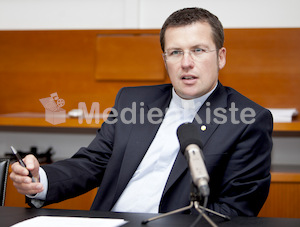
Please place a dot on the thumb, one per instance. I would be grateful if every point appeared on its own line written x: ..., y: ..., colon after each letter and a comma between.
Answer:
x: 32, y: 164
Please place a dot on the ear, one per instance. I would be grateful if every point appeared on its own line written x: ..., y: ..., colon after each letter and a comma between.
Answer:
x: 222, y: 58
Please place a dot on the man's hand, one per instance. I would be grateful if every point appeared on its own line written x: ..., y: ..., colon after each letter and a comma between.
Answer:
x: 22, y: 181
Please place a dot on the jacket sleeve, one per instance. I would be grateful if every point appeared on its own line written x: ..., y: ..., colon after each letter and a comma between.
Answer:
x: 83, y: 171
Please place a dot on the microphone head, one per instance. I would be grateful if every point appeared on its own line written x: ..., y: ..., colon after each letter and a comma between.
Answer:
x: 187, y: 134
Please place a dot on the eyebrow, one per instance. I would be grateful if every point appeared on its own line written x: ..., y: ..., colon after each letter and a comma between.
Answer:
x: 200, y: 45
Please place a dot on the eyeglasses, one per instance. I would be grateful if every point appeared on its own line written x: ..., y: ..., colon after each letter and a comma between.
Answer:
x: 174, y: 56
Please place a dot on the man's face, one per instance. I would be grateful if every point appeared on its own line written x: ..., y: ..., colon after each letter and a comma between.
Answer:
x: 190, y: 77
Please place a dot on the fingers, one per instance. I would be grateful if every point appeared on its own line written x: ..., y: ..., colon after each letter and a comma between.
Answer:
x: 28, y: 188
x: 19, y: 175
x: 32, y: 165
x: 18, y: 169
x: 24, y: 184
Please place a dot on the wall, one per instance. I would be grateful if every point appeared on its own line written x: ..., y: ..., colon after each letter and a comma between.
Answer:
x: 120, y: 14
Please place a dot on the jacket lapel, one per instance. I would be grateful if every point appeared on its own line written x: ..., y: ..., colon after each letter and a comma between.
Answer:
x: 217, y: 99
x: 207, y: 125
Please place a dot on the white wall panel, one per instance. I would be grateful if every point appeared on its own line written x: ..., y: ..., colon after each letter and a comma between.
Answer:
x: 232, y: 13
x: 120, y: 14
x: 62, y: 14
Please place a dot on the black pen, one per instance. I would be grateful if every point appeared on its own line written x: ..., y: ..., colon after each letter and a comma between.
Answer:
x: 14, y: 151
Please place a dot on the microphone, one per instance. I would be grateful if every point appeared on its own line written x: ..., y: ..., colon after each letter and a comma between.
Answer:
x: 191, y: 146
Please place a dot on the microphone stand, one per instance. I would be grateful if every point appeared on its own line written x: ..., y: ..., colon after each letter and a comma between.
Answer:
x: 195, y: 198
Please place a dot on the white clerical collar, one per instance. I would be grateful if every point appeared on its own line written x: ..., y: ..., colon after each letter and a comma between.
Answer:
x: 192, y: 104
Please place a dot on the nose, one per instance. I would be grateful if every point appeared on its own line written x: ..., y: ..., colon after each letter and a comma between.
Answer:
x: 187, y: 61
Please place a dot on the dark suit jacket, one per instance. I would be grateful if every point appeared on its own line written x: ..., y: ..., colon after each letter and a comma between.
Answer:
x: 237, y: 155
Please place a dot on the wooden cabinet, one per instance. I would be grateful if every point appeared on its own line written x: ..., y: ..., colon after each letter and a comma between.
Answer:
x: 262, y: 64
x: 284, y: 196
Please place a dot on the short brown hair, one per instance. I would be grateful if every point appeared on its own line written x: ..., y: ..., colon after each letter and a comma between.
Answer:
x: 188, y: 16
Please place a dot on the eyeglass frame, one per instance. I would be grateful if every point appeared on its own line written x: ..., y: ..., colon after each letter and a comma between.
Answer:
x: 191, y: 53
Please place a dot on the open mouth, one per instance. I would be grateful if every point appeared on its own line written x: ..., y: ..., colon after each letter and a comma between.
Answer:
x: 188, y: 77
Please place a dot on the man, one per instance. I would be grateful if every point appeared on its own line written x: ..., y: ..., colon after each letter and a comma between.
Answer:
x: 137, y: 166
